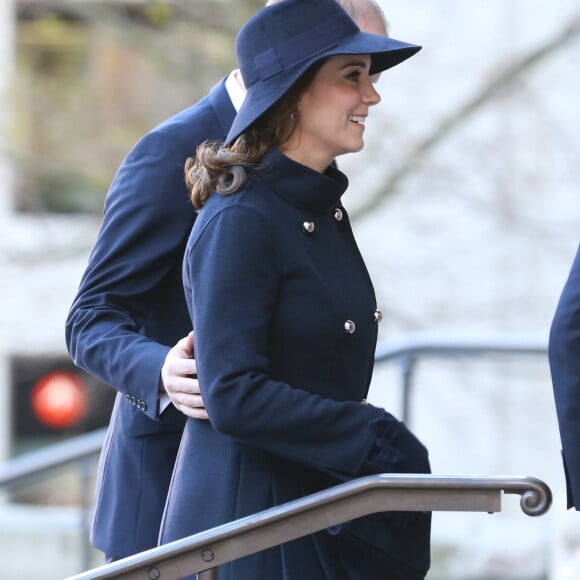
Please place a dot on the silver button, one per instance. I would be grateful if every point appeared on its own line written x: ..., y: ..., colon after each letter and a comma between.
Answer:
x: 349, y: 327
x: 308, y: 227
x: 338, y: 214
x: 378, y: 315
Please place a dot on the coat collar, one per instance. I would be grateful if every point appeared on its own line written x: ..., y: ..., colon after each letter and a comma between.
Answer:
x: 299, y: 185
x: 222, y: 105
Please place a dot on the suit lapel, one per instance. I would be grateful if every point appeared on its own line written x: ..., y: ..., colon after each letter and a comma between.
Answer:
x: 222, y: 105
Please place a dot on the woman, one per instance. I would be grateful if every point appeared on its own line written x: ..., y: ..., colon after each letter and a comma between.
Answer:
x: 283, y: 307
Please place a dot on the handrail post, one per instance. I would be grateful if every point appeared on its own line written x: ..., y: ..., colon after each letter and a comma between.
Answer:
x: 208, y: 574
x: 86, y: 476
x: 407, y: 368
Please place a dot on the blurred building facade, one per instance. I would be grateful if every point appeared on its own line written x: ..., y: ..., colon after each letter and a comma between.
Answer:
x: 465, y: 202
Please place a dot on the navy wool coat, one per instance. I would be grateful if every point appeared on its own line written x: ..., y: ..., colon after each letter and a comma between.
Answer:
x: 286, y: 326
x: 564, y: 353
x: 130, y: 308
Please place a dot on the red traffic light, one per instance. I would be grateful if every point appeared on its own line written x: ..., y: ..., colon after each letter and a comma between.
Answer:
x: 59, y: 399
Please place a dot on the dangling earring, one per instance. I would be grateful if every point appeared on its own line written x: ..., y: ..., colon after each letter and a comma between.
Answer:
x: 294, y: 116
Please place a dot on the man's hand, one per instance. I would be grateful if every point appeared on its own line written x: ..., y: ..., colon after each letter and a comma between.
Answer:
x: 179, y: 379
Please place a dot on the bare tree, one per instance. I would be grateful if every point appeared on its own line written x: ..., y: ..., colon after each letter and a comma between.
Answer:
x: 486, y: 93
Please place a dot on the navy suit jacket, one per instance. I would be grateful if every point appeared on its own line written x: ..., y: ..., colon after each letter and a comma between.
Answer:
x: 564, y: 353
x: 130, y: 309
x: 286, y: 323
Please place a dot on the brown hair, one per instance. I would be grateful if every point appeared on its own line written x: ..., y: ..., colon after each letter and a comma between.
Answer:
x: 224, y: 169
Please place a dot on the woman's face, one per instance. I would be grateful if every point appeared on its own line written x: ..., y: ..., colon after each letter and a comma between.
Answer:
x: 332, y: 112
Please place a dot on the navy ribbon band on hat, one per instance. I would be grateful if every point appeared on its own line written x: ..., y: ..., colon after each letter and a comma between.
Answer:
x: 299, y: 48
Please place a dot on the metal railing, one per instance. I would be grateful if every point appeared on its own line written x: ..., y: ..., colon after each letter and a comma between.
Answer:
x: 82, y: 452
x: 413, y: 347
x: 201, y: 553
x: 81, y: 449
x: 84, y: 449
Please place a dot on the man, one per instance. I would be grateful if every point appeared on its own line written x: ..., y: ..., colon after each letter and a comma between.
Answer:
x: 564, y: 354
x: 130, y: 306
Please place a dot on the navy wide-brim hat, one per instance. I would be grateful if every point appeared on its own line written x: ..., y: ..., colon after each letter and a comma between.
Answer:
x: 280, y: 42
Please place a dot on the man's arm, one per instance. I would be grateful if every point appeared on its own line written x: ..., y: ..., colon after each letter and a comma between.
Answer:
x: 130, y: 303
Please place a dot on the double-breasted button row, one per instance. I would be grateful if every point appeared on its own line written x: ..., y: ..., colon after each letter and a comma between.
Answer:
x: 309, y: 227
x: 350, y: 326
x: 136, y: 402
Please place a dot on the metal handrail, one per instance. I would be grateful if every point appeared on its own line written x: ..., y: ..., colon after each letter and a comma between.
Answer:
x: 29, y: 466
x: 81, y: 451
x: 431, y: 344
x: 201, y: 553
x: 421, y: 345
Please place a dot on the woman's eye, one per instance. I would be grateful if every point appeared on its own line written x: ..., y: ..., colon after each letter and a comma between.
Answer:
x: 354, y: 75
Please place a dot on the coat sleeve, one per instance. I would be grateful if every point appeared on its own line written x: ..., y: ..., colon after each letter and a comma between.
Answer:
x: 141, y: 239
x: 232, y: 272
x: 564, y: 356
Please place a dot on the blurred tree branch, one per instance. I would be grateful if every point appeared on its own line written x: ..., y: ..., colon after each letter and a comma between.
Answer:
x: 103, y: 56
x: 494, y: 87
x: 220, y: 16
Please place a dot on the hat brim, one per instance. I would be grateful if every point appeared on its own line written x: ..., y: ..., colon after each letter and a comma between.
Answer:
x: 385, y: 53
